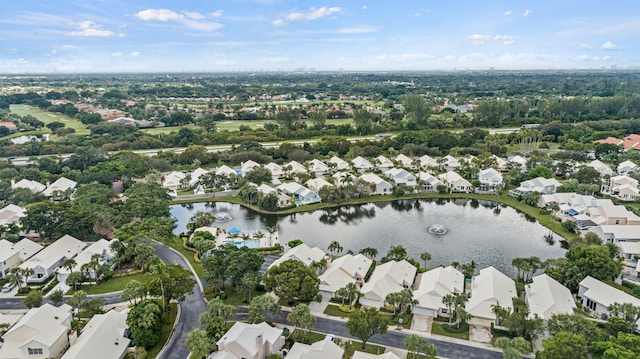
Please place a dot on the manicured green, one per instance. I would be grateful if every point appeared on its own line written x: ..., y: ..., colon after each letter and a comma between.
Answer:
x: 26, y: 133
x: 352, y: 345
x: 48, y: 117
x: 438, y: 329
x: 112, y: 285
x: 176, y: 243
x: 167, y: 327
x: 335, y: 311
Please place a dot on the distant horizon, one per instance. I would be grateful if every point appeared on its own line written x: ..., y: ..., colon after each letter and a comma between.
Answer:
x: 162, y: 36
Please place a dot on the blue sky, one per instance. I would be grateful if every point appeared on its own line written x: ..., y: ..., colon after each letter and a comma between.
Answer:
x: 239, y: 35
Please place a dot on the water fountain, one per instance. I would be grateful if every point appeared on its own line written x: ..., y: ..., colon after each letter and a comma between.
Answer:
x: 437, y: 229
x: 222, y: 217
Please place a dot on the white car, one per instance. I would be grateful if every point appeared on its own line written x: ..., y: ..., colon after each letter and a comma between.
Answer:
x: 7, y: 287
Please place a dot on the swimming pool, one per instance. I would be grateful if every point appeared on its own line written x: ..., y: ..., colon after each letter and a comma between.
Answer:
x: 251, y: 243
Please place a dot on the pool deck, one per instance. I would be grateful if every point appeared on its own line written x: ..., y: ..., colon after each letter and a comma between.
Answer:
x: 222, y: 238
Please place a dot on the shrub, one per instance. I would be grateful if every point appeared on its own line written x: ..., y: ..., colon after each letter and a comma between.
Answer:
x: 346, y: 308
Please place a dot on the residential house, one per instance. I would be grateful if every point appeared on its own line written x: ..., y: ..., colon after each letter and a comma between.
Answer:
x: 12, y: 254
x: 598, y: 296
x: 490, y: 288
x: 427, y: 162
x: 601, y: 167
x: 248, y: 166
x: 318, y: 167
x: 382, y: 163
x: 406, y: 161
x: 47, y: 261
x: 624, y: 187
x: 618, y: 233
x: 501, y: 164
x: 361, y: 164
x: 342, y: 271
x: 546, y: 297
x: 518, y: 161
x: 339, y: 164
x: 539, y: 184
x: 342, y: 178
x: 226, y: 171
x: 363, y: 355
x: 101, y: 248
x: 630, y: 253
x: 174, y: 181
x: 401, y: 176
x: 490, y: 179
x: 33, y: 186
x: 295, y: 167
x: 103, y: 337
x: 569, y: 204
x: 449, y: 162
x: 11, y: 214
x: 455, y: 182
x: 435, y: 285
x: 60, y: 186
x: 608, y: 213
x: 632, y: 142
x: 9, y: 125
x: 429, y: 182
x: 249, y: 341
x: 302, y: 194
x: 387, y: 278
x: 627, y: 167
x: 194, y: 182
x: 40, y: 334
x: 276, y: 169
x: 315, y: 184
x: 302, y: 253
x: 283, y: 199
x: 323, y: 349
x: 381, y: 186
x: 27, y: 248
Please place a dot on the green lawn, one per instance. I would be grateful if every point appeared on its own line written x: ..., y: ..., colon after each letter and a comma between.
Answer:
x: 335, y: 311
x: 25, y: 133
x: 48, y: 117
x: 167, y: 326
x: 176, y: 243
x: 112, y: 285
x: 437, y: 328
x: 233, y: 125
x: 352, y: 345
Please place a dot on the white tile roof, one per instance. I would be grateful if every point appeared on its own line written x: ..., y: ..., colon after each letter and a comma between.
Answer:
x: 437, y: 283
x: 372, y: 178
x: 102, y: 338
x: 101, y: 247
x: 546, y: 297
x: 340, y: 163
x: 488, y: 288
x: 11, y: 214
x: 66, y: 246
x: 389, y: 277
x: 302, y: 253
x: 605, y: 294
x: 324, y: 349
x: 33, y: 186
x: 343, y: 271
x: 244, y: 335
x: 61, y: 184
x: 363, y: 355
x: 27, y: 248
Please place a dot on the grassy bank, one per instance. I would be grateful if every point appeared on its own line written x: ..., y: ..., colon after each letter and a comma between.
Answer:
x: 48, y: 117
x: 167, y: 327
x: 112, y: 285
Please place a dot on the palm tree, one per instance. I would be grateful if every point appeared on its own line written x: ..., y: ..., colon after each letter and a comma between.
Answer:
x: 449, y: 301
x: 271, y: 231
x: 369, y: 252
x: 69, y: 264
x: 352, y: 290
x: 425, y: 256
x: 245, y: 237
x: 335, y: 247
x: 513, y: 348
x: 26, y: 273
x: 159, y: 275
x: 397, y: 253
x: 259, y: 235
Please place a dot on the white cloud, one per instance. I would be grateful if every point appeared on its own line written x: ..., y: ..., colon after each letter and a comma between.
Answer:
x: 526, y: 13
x: 190, y: 19
x: 609, y: 46
x: 407, y: 57
x: 479, y: 39
x: 585, y: 47
x: 117, y: 54
x: 357, y: 30
x: 216, y: 13
x: 278, y: 22
x: 606, y: 57
x: 587, y: 58
x: 364, y: 7
x: 508, y: 12
x: 276, y: 60
x: 158, y: 15
x: 313, y: 14
x: 88, y: 28
x: 135, y: 54
x: 194, y: 15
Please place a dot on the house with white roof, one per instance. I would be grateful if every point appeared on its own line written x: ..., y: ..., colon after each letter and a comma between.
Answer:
x: 47, y: 261
x: 546, y: 297
x: 618, y: 233
x: 103, y: 337
x: 302, y: 194
x: 41, y: 333
x: 597, y: 296
x: 174, y: 181
x: 60, y: 186
x: 623, y: 187
x: 33, y: 186
x: 342, y: 271
x: 283, y: 199
x: 318, y: 167
x: 630, y: 253
x: 363, y: 355
x: 101, y: 249
x: 27, y: 248
x: 500, y: 163
x: 429, y: 182
x: 427, y: 162
x: 323, y: 349
x: 9, y: 257
x: 226, y: 171
x: 387, y: 278
x: 295, y: 167
x: 607, y: 213
x: 315, y: 184
x: 342, y: 178
x: 381, y: 186
x: 455, y: 182
x: 450, y: 163
x: 627, y: 167
x: 382, y: 163
x: 601, y: 167
x: 276, y: 169
x: 361, y: 164
x: 401, y: 176
x: 539, y: 184
x: 11, y: 214
x: 490, y: 287
x: 249, y: 341
x: 247, y: 166
x: 302, y: 253
x: 490, y: 179
x: 340, y: 164
x: 195, y: 177
x: 435, y: 285
x: 518, y: 161
x: 405, y: 161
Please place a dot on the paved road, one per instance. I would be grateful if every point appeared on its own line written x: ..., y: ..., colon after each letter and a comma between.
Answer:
x: 13, y: 303
x: 190, y: 310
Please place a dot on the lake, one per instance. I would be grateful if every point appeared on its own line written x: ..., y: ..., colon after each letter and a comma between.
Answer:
x: 486, y: 232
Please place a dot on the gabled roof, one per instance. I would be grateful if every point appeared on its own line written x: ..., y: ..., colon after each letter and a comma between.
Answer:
x: 225, y: 170
x: 244, y: 335
x: 317, y: 183
x: 102, y: 337
x: 605, y: 294
x: 340, y: 163
x: 361, y: 163
x: 27, y: 248
x: 452, y: 177
x: 437, y: 283
x: 546, y: 297
x: 601, y: 167
x: 266, y: 189
x: 302, y: 253
x: 101, y: 247
x: 273, y: 167
x: 6, y: 250
x: 398, y: 173
x: 324, y: 349
x: 373, y: 178
x: 64, y: 247
x: 384, y: 162
x: 342, y: 271
x: 33, y: 186
x: 406, y: 161
x: 430, y: 179
x: 628, y: 166
x: 11, y: 214
x: 248, y: 165
x: 490, y: 175
x: 61, y: 184
x: 173, y: 179
x: 315, y: 165
x: 428, y: 161
x: 389, y: 277
x: 488, y: 288
x: 296, y: 167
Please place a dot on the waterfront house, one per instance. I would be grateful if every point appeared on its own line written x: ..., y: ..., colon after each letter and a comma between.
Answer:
x: 302, y: 253
x: 381, y: 186
x: 597, y: 296
x: 401, y: 176
x: 455, y: 182
x: 387, y: 278
x: 435, y: 285
x: 342, y: 271
x: 546, y: 297
x: 429, y: 182
x: 490, y: 287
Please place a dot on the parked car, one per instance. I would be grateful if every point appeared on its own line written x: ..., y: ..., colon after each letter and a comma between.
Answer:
x: 7, y: 287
